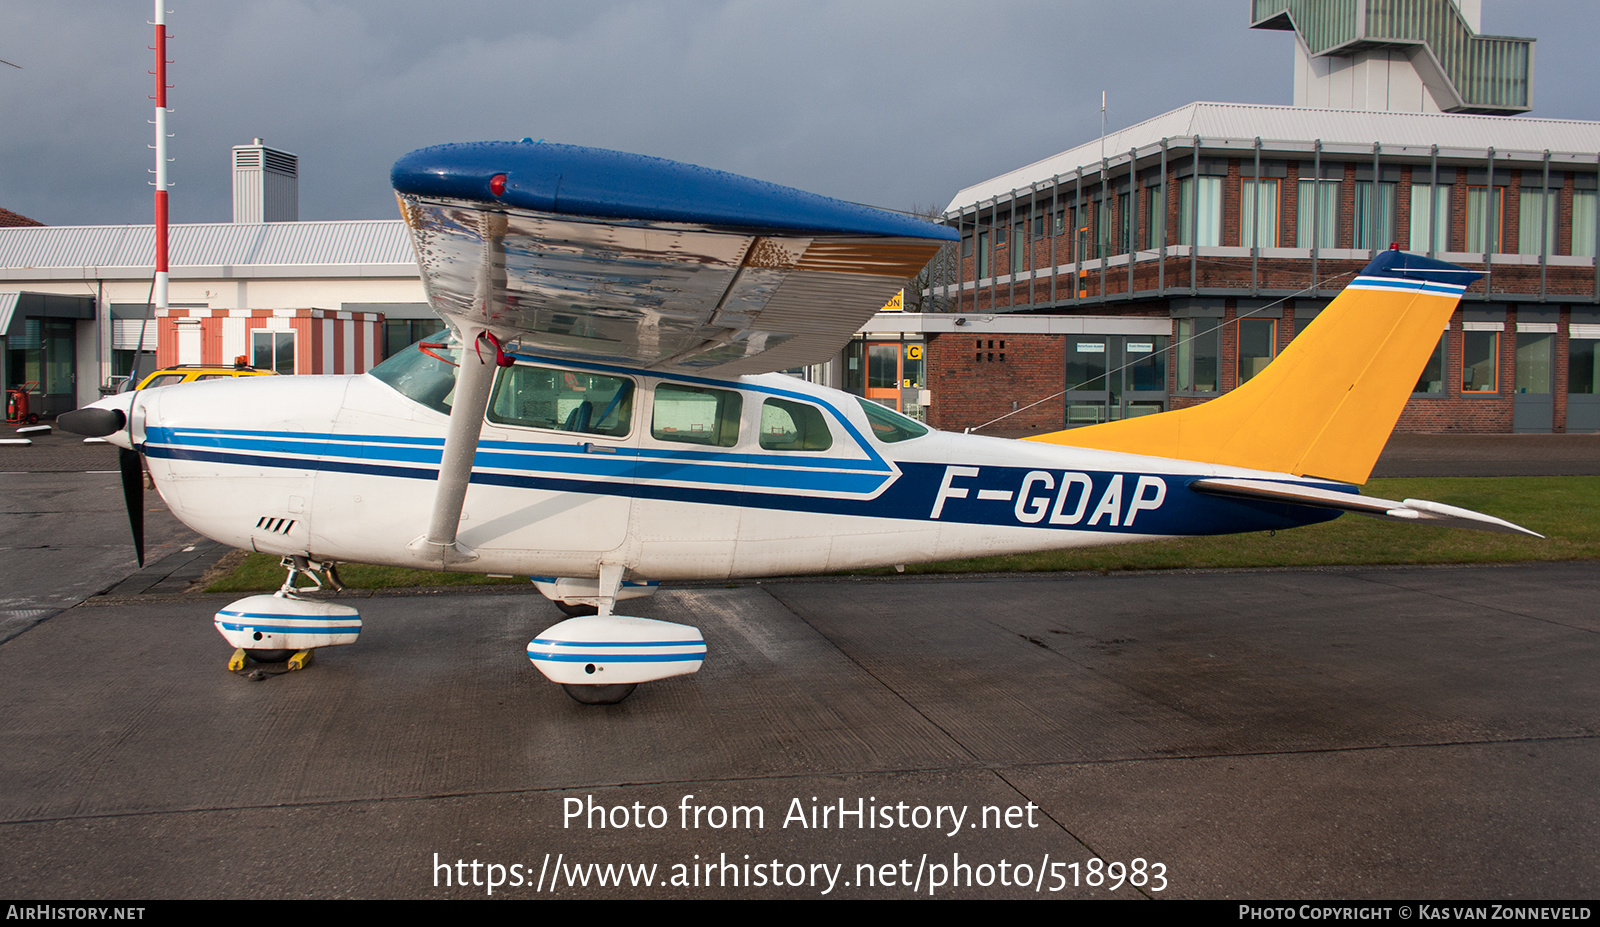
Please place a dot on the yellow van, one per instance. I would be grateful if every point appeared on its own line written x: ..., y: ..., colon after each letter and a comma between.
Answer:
x: 189, y: 373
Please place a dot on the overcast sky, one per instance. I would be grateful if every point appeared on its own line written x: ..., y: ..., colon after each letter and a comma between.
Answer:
x: 896, y: 103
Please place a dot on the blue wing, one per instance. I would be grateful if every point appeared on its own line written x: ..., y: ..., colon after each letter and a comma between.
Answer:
x: 599, y: 255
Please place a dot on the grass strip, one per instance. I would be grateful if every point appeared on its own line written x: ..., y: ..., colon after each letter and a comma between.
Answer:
x: 1566, y: 509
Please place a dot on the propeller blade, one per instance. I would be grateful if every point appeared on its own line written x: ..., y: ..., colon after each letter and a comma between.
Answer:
x: 132, y: 467
x: 92, y: 423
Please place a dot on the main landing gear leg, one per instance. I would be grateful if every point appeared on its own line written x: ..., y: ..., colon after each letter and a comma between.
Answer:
x: 602, y: 693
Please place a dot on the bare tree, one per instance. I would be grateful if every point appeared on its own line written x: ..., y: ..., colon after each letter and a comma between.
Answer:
x: 921, y: 295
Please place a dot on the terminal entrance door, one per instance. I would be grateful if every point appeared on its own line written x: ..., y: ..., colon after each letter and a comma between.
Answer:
x: 894, y: 375
x: 1532, y: 406
x: 42, y: 358
x: 1113, y: 377
x: 1583, y: 379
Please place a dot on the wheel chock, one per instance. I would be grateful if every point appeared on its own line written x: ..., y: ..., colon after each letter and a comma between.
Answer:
x: 300, y: 660
x: 238, y: 661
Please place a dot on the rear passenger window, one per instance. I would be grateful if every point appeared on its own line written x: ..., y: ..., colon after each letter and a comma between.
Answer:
x: 692, y: 415
x: 793, y: 426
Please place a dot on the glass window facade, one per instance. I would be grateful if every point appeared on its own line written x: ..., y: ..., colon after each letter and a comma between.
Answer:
x: 1317, y: 214
x: 1430, y: 218
x: 1127, y: 222
x: 1583, y: 375
x: 1258, y: 213
x: 1375, y: 216
x: 1200, y: 211
x: 399, y: 334
x: 1155, y: 221
x: 1199, y: 351
x: 1258, y: 345
x: 1480, y: 368
x: 1483, y: 219
x: 1536, y: 221
x: 1583, y: 222
x: 1431, y: 382
x: 272, y: 351
x: 883, y: 370
x: 1535, y: 351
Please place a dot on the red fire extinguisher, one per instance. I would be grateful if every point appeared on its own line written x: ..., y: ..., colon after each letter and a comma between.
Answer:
x: 17, y: 406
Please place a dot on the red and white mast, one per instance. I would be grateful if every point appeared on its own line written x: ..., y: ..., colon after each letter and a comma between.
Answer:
x: 160, y: 289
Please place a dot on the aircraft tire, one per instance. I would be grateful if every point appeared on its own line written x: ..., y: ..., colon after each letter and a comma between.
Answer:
x: 600, y: 695
x: 269, y: 656
x: 572, y: 610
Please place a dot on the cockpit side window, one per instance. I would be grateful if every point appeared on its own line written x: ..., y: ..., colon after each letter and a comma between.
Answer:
x: 424, y: 372
x: 793, y: 426
x: 563, y: 400
x: 695, y: 415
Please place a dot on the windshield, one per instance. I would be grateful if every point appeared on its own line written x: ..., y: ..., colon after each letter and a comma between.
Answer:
x: 424, y: 372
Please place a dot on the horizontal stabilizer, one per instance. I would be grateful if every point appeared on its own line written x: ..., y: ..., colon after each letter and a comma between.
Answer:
x: 1413, y: 510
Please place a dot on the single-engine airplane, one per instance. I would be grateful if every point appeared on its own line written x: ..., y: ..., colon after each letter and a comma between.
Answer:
x: 606, y: 414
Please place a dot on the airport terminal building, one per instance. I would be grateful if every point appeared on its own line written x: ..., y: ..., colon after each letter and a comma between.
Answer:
x: 1219, y: 230
x: 298, y: 297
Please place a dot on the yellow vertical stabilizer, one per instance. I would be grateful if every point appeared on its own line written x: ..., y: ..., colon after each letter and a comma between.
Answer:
x: 1326, y: 405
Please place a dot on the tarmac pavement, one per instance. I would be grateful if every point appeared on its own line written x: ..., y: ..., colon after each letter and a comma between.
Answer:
x: 1490, y: 455
x: 1336, y: 733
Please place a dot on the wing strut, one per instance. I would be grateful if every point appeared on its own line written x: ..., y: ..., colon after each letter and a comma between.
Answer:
x: 455, y: 466
x: 473, y: 383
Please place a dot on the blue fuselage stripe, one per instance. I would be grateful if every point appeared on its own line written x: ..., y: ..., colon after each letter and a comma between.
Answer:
x: 796, y: 473
x: 288, y: 629
x: 541, y: 642
x: 616, y: 657
x: 1100, y: 502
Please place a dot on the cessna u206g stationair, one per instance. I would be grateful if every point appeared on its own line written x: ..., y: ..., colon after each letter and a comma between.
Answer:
x: 605, y: 415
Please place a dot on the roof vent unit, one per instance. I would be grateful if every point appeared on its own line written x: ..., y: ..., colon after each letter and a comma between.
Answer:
x: 266, y: 184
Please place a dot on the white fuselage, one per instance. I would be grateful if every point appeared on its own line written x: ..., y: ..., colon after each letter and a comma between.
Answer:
x: 345, y: 469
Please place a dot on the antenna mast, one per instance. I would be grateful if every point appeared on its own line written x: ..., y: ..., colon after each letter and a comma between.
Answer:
x: 1103, y: 119
x: 160, y: 289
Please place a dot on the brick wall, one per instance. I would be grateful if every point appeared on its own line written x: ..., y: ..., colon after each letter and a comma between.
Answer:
x: 976, y: 378
x: 1453, y: 411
